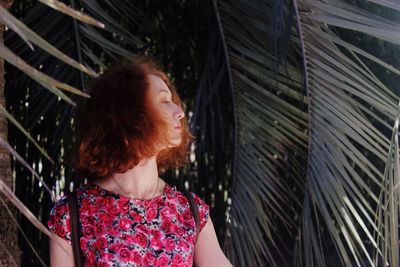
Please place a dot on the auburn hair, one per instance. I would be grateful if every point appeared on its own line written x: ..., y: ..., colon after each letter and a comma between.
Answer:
x: 116, y: 127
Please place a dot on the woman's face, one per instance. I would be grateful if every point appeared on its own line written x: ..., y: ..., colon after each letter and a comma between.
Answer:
x: 161, y: 98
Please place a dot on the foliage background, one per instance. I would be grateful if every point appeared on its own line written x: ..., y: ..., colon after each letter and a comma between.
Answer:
x: 263, y: 110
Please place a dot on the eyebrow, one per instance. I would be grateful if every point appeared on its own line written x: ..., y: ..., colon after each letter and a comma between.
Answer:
x: 164, y: 91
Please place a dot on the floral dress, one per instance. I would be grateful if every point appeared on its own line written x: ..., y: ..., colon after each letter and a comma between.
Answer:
x: 121, y: 231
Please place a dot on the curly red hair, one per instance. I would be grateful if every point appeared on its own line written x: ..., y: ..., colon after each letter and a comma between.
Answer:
x: 116, y: 128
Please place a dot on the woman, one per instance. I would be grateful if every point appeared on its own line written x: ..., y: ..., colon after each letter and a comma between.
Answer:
x: 132, y: 128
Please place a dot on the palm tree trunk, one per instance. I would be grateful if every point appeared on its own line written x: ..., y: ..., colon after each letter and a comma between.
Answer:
x: 10, y: 254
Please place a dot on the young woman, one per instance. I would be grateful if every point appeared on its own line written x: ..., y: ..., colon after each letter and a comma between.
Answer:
x: 132, y: 128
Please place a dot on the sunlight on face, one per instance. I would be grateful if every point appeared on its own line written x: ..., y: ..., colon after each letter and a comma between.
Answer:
x: 161, y: 98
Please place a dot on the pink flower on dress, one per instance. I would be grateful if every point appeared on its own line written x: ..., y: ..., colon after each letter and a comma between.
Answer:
x: 101, y: 243
x: 116, y: 246
x: 83, y: 243
x: 125, y: 255
x: 123, y: 205
x: 100, y: 228
x: 166, y: 226
x: 183, y: 246
x: 141, y: 228
x: 140, y: 239
x: 112, y: 210
x: 60, y: 230
x: 106, y: 256
x: 182, y: 200
x: 105, y: 218
x: 187, y: 218
x: 157, y: 234
x: 169, y: 244
x: 151, y: 214
x: 85, y: 202
x: 156, y: 244
x: 162, y: 260
x: 137, y: 258
x: 136, y: 217
x: 177, y: 230
x: 88, y: 231
x: 125, y: 223
x: 177, y: 259
x: 90, y: 258
x: 101, y: 201
x: 148, y: 259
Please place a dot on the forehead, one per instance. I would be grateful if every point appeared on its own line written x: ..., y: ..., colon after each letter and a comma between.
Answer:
x: 157, y: 85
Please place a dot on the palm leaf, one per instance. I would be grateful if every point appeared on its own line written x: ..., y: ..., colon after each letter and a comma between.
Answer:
x: 309, y: 160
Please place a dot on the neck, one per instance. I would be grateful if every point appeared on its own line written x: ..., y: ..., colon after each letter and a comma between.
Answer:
x: 139, y: 182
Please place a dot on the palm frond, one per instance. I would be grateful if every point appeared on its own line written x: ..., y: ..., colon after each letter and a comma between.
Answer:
x: 63, y: 8
x: 311, y: 141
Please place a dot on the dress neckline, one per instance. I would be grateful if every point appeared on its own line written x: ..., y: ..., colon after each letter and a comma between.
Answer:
x: 167, y: 188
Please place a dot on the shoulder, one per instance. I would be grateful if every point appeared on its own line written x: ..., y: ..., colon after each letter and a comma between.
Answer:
x: 59, y: 218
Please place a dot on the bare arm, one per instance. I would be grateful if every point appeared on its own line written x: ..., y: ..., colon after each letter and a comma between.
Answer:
x: 207, y: 251
x: 60, y: 252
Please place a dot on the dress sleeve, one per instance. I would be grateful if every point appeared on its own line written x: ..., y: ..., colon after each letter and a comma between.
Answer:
x: 58, y: 222
x: 204, y: 210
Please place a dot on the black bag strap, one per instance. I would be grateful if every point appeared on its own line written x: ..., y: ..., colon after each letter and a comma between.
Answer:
x: 74, y: 225
x: 194, y: 210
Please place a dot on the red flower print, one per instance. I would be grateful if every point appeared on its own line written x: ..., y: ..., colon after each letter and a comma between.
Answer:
x: 117, y: 246
x: 183, y: 246
x: 60, y: 230
x: 115, y: 231
x: 141, y: 239
x: 148, y: 259
x: 186, y: 218
x: 137, y: 258
x: 123, y: 205
x: 177, y: 259
x: 87, y: 220
x: 112, y: 210
x: 100, y: 228
x: 90, y: 257
x: 88, y: 231
x: 105, y: 218
x: 151, y: 214
x: 156, y: 244
x: 169, y: 244
x: 125, y: 255
x: 104, y: 263
x: 101, y: 243
x: 85, y: 202
x: 83, y: 243
x: 141, y: 228
x: 136, y: 217
x: 177, y: 230
x: 92, y: 191
x: 129, y: 239
x: 68, y: 224
x: 125, y: 223
x: 101, y: 201
x: 172, y: 207
x: 162, y: 260
x: 157, y: 234
x: 182, y: 200
x: 166, y: 226
x: 106, y: 255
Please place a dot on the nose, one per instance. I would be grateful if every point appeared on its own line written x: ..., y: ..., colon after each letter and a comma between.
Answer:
x: 179, y: 114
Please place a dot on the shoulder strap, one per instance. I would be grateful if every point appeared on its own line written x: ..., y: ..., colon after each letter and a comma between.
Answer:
x: 75, y: 232
x: 194, y: 210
